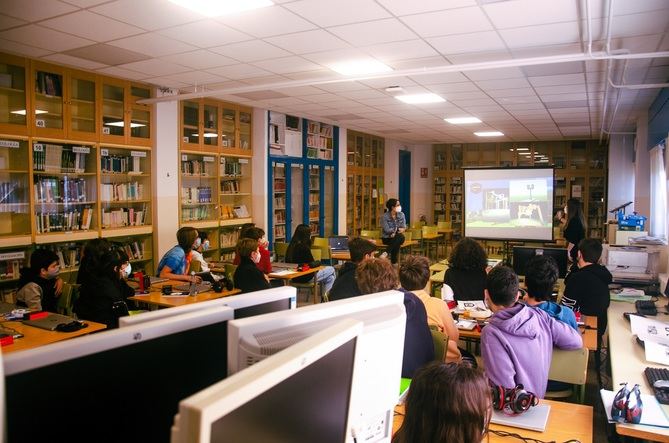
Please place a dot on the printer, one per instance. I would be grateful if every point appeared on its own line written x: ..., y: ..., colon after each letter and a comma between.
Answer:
x: 632, y: 263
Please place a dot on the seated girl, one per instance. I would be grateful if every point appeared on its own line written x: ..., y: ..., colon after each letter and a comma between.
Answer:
x: 299, y: 251
x: 175, y: 263
x: 248, y: 277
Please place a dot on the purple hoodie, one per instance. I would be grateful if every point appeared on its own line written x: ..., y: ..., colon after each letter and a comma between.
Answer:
x: 517, y: 346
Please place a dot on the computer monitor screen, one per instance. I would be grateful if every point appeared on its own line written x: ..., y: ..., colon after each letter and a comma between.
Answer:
x: 300, y: 394
x: 120, y: 385
x: 522, y: 254
x: 244, y: 305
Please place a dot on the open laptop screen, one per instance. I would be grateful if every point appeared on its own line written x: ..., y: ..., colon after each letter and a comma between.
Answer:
x: 338, y: 243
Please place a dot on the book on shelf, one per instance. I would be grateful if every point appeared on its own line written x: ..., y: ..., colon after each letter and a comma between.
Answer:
x: 197, y: 167
x: 194, y: 195
x: 122, y: 217
x: 72, y: 220
x: 60, y: 190
x: 10, y: 264
x: 229, y: 238
x: 241, y: 211
x: 196, y: 213
x: 230, y: 186
x: 134, y: 249
x: 121, y: 164
x: 279, y: 232
x: 230, y: 167
x: 48, y: 84
x: 69, y: 254
x: 49, y: 157
x: 121, y: 191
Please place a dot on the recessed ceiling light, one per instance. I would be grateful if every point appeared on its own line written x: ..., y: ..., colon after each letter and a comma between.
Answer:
x: 215, y: 8
x: 360, y: 67
x: 394, y: 89
x: 522, y: 149
x: 462, y: 120
x: 489, y: 134
x: 206, y: 135
x: 414, y: 99
x: 23, y: 112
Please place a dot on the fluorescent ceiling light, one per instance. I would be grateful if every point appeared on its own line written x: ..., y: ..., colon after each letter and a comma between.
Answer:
x: 489, y: 134
x: 23, y: 112
x: 415, y: 99
x: 360, y: 67
x: 215, y: 8
x: 462, y: 120
x: 121, y: 124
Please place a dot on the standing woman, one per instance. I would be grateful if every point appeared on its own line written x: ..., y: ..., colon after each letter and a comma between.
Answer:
x: 393, y: 224
x: 299, y: 251
x: 574, y: 230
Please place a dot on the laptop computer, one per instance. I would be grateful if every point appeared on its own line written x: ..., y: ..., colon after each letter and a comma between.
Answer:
x: 339, y: 243
x: 202, y: 287
x: 50, y: 322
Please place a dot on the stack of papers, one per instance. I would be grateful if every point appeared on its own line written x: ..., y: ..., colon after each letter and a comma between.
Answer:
x: 655, y: 335
x: 284, y: 272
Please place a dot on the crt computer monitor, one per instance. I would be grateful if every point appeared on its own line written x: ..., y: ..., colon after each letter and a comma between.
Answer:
x: 381, y: 346
x: 120, y: 385
x: 244, y: 305
x: 300, y: 394
x: 522, y: 254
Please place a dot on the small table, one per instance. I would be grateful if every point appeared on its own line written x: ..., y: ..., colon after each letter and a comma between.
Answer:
x: 566, y: 421
x: 170, y: 301
x: 341, y: 255
x: 34, y: 337
x: 288, y: 276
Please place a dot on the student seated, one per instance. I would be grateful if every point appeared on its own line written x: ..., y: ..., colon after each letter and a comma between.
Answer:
x: 91, y: 254
x: 299, y: 251
x: 201, y: 245
x: 466, y: 271
x: 517, y: 344
x: 587, y: 289
x: 414, y: 275
x: 446, y: 402
x: 265, y: 264
x: 39, y: 285
x: 103, y: 296
x: 377, y: 275
x: 175, y: 263
x: 541, y: 274
x: 393, y: 224
x: 248, y: 277
x: 345, y: 286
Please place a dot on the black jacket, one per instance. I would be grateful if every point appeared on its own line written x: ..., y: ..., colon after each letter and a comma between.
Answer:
x: 466, y: 284
x: 345, y: 285
x: 574, y: 232
x: 248, y: 277
x: 587, y: 290
x: 300, y: 254
x: 418, y: 345
x: 97, y: 298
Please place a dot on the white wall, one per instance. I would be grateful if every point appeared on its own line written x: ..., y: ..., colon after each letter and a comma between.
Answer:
x: 341, y: 185
x: 642, y: 168
x: 165, y: 173
x: 259, y: 169
x: 621, y: 172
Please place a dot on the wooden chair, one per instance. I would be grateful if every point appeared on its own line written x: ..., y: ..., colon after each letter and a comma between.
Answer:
x: 440, y: 342
x: 370, y: 234
x: 68, y: 297
x: 324, y: 245
x: 569, y: 367
x: 448, y: 237
x: 431, y: 236
x: 312, y: 285
x: 230, y: 272
x: 195, y: 266
x: 280, y: 249
x: 416, y: 235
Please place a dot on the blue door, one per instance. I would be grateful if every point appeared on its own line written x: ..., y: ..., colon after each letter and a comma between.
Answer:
x: 404, y: 180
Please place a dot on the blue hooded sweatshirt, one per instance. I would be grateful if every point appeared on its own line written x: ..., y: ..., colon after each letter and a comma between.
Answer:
x: 558, y: 312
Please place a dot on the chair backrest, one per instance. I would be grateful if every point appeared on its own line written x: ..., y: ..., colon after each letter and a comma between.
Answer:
x: 569, y: 366
x: 320, y: 242
x: 326, y: 252
x: 367, y: 233
x: 444, y: 225
x: 316, y: 253
x: 416, y: 234
x: 429, y: 230
x: 440, y: 342
x: 230, y: 271
x: 67, y: 299
x: 416, y: 225
x: 280, y: 249
x: 408, y: 235
x: 195, y: 266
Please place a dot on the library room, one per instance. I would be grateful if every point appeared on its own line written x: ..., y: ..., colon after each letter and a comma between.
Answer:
x: 369, y: 220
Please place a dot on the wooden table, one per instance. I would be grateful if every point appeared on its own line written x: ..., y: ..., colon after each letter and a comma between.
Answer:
x: 156, y: 298
x: 346, y: 255
x: 34, y: 337
x: 628, y: 361
x: 566, y: 421
x: 341, y: 255
x: 435, y: 237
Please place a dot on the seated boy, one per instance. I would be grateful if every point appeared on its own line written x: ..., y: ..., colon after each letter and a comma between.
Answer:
x: 517, y: 344
x: 345, y: 286
x: 587, y: 289
x: 541, y: 273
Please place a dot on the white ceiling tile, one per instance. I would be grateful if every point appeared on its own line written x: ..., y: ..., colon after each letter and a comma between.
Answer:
x: 518, y: 100
x: 495, y: 74
x: 309, y: 41
x: 343, y: 86
x: 363, y: 95
x: 453, y: 87
x: 265, y: 80
x: 519, y: 13
x: 77, y: 62
x: 434, y: 79
x: 239, y: 72
x: 385, y: 82
x: 10, y: 22
x: 404, y: 7
x: 375, y: 32
x: 542, y: 35
x: 34, y: 10
x: 152, y: 44
x: 408, y: 49
x: 155, y: 67
x: 329, y: 57
x: 41, y: 37
x: 147, y: 14
x: 454, y: 21
x: 19, y: 48
x: 565, y: 89
x: 470, y: 95
x: 506, y: 83
x: 266, y: 22
x: 469, y: 104
x: 326, y: 13
x: 129, y: 74
x: 516, y: 92
x: 323, y: 74
x: 556, y: 80
x: 424, y: 62
x: 85, y: 3
x: 166, y: 82
x: 251, y: 51
x: 200, y: 59
x: 195, y: 78
x: 639, y: 24
x: 205, y: 34
x: 91, y: 26
x: 464, y: 43
x: 286, y: 65
x: 554, y: 69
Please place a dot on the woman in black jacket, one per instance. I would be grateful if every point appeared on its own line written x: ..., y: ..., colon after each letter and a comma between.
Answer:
x: 104, y: 292
x: 248, y: 277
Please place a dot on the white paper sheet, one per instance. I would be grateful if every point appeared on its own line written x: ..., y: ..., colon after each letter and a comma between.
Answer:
x: 650, y: 330
x: 657, y: 352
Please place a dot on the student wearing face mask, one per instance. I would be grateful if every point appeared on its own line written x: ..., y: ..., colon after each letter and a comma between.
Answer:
x: 201, y: 245
x: 393, y: 224
x: 248, y: 277
x: 38, y: 282
x: 104, y: 298
x: 175, y: 263
x: 265, y: 265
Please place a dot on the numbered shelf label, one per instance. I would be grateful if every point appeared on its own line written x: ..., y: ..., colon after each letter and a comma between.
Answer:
x: 9, y: 144
x: 137, y: 153
x: 38, y: 147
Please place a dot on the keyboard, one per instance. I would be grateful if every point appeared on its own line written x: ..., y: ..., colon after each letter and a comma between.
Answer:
x: 654, y: 374
x: 645, y: 307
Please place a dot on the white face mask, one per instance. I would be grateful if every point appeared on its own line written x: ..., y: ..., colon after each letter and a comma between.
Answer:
x: 205, y: 245
x: 125, y: 273
x: 255, y: 257
x: 198, y: 243
x: 53, y: 273
x: 398, y: 209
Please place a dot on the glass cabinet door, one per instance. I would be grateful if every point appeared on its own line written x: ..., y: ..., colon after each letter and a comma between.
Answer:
x: 296, y: 197
x: 350, y: 200
x: 49, y: 100
x: 190, y: 123
x: 228, y: 125
x: 13, y: 109
x: 244, y: 130
x: 314, y: 199
x: 113, y: 111
x: 279, y: 201
x: 82, y: 106
x: 210, y: 132
x: 14, y: 188
x: 140, y: 115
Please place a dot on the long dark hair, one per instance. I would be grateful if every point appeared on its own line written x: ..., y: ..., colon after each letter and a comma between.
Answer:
x: 447, y: 402
x: 110, y: 264
x: 467, y: 255
x: 301, y: 237
x: 575, y: 210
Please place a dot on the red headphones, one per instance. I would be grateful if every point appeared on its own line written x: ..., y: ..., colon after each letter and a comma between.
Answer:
x: 512, y: 401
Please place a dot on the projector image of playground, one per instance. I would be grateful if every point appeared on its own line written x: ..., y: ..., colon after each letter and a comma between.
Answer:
x: 513, y: 204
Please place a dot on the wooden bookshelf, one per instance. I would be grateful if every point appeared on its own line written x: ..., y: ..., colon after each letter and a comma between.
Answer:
x: 365, y: 197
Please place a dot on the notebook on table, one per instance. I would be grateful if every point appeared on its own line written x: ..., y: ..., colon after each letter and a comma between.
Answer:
x: 338, y: 244
x: 50, y: 322
x: 534, y: 418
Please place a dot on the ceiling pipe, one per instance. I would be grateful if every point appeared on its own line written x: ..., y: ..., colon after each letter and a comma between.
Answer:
x: 607, y: 46
x: 640, y: 86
